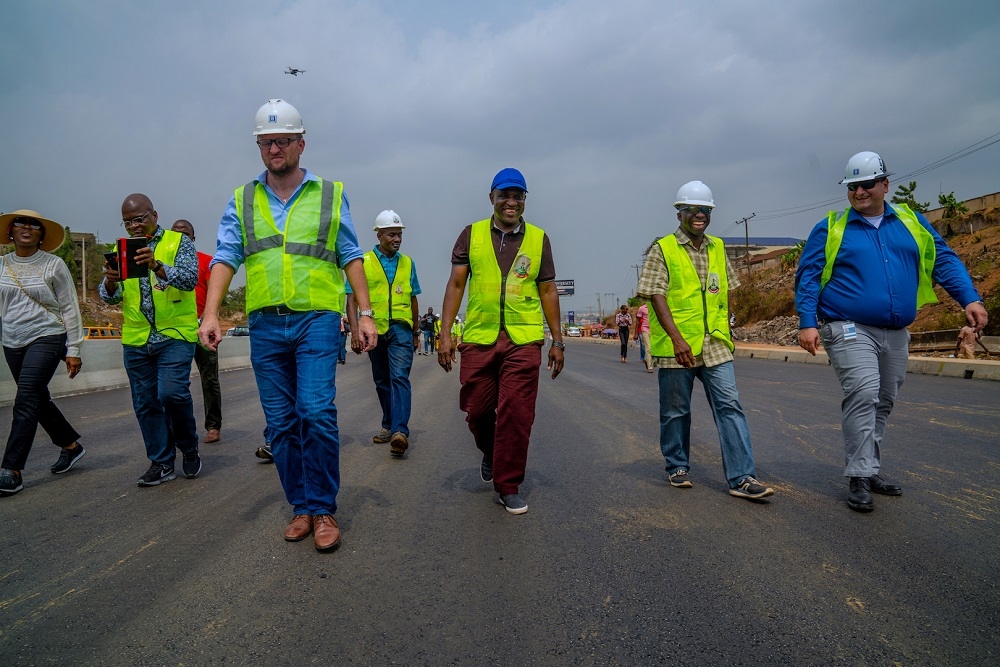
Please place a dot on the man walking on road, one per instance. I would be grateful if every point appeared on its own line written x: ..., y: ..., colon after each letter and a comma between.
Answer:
x: 427, y: 328
x: 293, y: 231
x: 687, y: 277
x: 158, y: 339
x: 206, y: 360
x: 508, y: 265
x: 393, y: 289
x: 642, y: 335
x: 863, y: 274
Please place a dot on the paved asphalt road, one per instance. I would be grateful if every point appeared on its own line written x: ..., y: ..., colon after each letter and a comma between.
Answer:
x: 611, y: 566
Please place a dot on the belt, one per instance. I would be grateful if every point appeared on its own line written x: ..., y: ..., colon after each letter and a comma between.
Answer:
x: 280, y: 309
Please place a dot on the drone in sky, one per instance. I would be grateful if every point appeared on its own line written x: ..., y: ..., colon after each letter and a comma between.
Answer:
x: 294, y: 71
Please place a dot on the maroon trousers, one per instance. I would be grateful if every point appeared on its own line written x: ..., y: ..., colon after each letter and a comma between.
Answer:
x: 499, y: 388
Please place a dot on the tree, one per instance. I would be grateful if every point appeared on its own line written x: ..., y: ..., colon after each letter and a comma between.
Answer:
x: 904, y: 195
x: 67, y: 252
x: 952, y: 207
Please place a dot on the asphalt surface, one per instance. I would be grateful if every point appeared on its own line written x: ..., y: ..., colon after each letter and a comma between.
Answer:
x: 610, y: 566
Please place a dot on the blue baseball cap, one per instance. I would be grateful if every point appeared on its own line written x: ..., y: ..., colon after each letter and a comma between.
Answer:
x: 508, y: 178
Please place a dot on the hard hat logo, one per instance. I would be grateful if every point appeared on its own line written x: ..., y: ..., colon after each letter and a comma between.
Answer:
x: 273, y: 118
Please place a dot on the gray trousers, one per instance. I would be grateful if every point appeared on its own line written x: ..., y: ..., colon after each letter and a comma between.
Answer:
x: 870, y: 366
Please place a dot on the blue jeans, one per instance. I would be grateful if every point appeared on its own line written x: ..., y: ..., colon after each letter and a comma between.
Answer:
x: 159, y: 375
x: 719, y: 381
x: 391, y: 361
x: 428, y: 341
x: 294, y: 359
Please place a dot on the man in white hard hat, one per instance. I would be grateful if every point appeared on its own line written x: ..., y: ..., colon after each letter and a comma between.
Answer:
x: 504, y: 332
x: 393, y: 288
x: 863, y: 274
x: 687, y: 277
x: 293, y: 231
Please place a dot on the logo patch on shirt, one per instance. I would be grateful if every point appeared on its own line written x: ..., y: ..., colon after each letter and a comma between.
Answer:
x: 522, y: 266
x: 713, y: 283
x: 399, y: 289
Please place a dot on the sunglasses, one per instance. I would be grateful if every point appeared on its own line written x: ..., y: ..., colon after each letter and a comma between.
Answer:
x: 864, y: 185
x: 706, y: 210
x: 27, y: 222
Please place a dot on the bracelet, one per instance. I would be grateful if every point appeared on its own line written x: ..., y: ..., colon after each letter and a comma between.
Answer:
x: 558, y: 343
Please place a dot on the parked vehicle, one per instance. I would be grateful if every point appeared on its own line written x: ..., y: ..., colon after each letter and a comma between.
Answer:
x: 573, y: 332
x: 97, y: 333
x: 238, y: 331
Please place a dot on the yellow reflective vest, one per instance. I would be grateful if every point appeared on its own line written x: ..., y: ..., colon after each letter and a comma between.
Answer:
x: 391, y: 303
x: 515, y: 295
x: 697, y: 310
x: 298, y: 268
x: 175, y: 311
x: 837, y: 222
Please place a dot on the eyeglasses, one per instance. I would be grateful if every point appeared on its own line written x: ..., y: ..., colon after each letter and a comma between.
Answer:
x: 138, y: 220
x: 27, y: 222
x: 516, y: 196
x: 865, y: 185
x: 280, y: 142
x: 707, y: 210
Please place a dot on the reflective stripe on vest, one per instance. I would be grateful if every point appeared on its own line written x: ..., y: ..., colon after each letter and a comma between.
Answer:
x: 298, y: 268
x: 516, y: 293
x: 836, y: 223
x: 385, y: 297
x: 696, y: 310
x: 175, y: 311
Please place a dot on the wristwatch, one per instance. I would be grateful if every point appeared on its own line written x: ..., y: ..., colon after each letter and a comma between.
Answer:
x: 558, y: 343
x: 366, y: 313
x: 159, y: 265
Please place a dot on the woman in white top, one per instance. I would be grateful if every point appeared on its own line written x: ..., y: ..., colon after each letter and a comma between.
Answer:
x: 41, y: 327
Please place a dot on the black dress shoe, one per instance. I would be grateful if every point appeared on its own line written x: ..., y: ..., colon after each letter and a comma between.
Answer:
x: 860, y: 497
x: 884, y: 488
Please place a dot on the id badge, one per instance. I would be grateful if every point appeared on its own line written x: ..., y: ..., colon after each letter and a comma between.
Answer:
x: 850, y: 331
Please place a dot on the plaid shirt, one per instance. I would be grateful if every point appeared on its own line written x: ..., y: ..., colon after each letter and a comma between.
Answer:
x: 655, y: 279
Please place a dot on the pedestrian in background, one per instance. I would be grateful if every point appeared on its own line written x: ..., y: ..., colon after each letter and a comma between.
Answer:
x: 293, y: 231
x: 623, y: 321
x: 159, y: 336
x: 206, y: 360
x: 687, y: 276
x: 863, y: 274
x: 427, y: 329
x: 393, y: 288
x: 41, y: 327
x: 504, y: 332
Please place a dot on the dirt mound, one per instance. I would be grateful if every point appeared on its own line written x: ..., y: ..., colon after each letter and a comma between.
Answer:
x: 778, y: 331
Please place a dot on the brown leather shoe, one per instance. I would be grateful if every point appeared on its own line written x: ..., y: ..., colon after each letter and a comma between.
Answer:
x: 326, y: 532
x: 398, y: 444
x: 213, y: 435
x: 299, y: 528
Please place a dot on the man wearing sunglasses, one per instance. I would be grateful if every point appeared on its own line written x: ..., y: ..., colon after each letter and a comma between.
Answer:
x: 863, y: 274
x: 687, y: 277
x: 293, y: 231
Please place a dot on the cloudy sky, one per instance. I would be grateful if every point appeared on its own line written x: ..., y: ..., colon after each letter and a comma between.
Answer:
x: 607, y: 108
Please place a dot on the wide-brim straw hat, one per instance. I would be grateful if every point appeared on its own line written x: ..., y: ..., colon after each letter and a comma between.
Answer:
x: 54, y: 232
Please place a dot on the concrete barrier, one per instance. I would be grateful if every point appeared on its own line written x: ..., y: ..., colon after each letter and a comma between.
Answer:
x: 103, y: 368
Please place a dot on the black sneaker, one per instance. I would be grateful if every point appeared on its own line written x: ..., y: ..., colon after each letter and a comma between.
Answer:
x: 486, y: 469
x: 67, y: 459
x: 264, y: 452
x: 513, y: 503
x: 751, y: 489
x: 191, y: 464
x: 157, y: 474
x: 10, y: 482
x: 680, y: 479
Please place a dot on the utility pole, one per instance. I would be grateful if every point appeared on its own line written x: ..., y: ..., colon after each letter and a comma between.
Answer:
x: 746, y: 227
x: 600, y: 311
x: 636, y: 267
x: 83, y: 241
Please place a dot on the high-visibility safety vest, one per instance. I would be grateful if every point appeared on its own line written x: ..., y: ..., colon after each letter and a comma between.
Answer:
x: 298, y: 268
x: 456, y: 328
x: 515, y: 295
x: 391, y: 303
x: 175, y: 311
x: 697, y: 310
x: 836, y: 223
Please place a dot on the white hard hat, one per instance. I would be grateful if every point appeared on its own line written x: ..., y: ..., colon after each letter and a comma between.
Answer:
x: 864, y: 166
x: 695, y: 193
x: 278, y: 117
x: 388, y: 219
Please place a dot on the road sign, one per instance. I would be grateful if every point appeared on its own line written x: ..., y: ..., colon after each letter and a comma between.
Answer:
x: 571, y: 314
x: 565, y: 287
